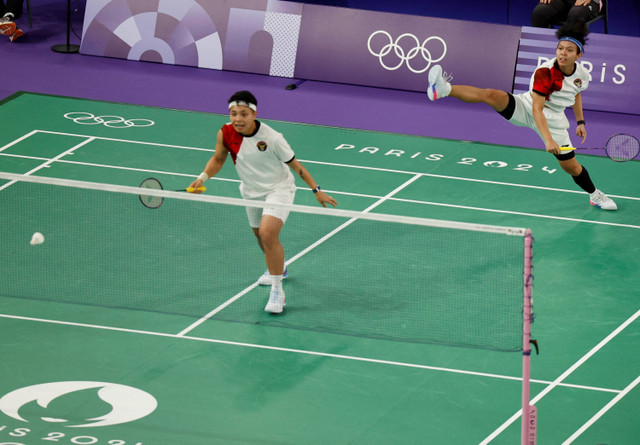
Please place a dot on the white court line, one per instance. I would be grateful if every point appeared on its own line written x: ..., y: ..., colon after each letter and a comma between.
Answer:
x: 50, y: 161
x: 563, y: 376
x: 20, y: 139
x: 129, y: 141
x: 300, y: 254
x: 460, y: 178
x: 291, y: 350
x: 437, y: 204
x: 602, y: 412
x: 557, y: 382
x: 116, y: 167
x: 512, y: 212
x: 333, y: 164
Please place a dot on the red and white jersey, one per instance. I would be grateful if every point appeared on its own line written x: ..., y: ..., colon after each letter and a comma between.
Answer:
x: 260, y: 159
x: 559, y: 89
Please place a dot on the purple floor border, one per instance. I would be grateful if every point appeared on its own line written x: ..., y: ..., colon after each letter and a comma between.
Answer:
x: 36, y: 68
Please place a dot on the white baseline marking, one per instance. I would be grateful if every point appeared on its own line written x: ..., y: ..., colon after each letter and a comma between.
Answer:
x: 291, y: 350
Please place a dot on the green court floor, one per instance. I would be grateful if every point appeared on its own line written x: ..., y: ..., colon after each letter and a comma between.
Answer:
x: 76, y: 373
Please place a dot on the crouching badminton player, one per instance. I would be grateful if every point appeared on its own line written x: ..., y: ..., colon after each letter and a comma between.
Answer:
x: 263, y: 160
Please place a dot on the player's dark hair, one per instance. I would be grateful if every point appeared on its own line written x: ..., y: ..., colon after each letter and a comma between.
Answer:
x: 243, y: 96
x: 576, y: 29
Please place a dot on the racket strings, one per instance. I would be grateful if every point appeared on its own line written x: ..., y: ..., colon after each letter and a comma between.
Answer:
x: 151, y: 201
x: 622, y: 147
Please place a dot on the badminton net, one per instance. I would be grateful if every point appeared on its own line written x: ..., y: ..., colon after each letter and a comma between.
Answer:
x: 352, y: 273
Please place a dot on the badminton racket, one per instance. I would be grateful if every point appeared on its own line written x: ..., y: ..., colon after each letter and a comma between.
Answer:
x: 619, y: 147
x: 152, y: 201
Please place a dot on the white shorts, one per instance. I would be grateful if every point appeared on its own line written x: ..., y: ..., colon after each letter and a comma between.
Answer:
x: 557, y: 122
x: 282, y: 195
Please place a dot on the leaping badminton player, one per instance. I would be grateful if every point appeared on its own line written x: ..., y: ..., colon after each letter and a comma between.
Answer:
x: 263, y: 160
x: 555, y: 85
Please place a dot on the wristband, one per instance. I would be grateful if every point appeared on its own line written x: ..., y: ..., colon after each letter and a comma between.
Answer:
x: 203, y: 177
x: 317, y: 189
x: 581, y: 123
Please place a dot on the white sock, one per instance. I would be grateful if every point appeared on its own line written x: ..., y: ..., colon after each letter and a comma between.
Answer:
x: 447, y: 90
x: 276, y: 280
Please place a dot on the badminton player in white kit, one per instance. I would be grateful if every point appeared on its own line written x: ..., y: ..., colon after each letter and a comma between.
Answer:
x: 263, y: 160
x: 555, y: 85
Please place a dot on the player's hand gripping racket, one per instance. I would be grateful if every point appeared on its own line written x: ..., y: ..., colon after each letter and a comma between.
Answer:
x: 619, y: 147
x: 152, y: 201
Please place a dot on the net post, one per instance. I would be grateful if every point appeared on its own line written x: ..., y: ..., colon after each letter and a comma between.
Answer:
x: 528, y: 436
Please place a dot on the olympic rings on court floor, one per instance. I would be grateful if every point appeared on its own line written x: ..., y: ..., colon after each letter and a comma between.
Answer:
x: 86, y: 118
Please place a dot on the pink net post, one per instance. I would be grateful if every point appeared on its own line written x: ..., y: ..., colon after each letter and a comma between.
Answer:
x: 528, y: 411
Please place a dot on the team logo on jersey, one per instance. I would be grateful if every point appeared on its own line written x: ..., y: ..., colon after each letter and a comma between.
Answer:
x: 578, y: 82
x: 262, y: 145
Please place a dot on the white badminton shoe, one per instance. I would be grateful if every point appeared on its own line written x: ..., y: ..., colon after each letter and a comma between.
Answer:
x: 265, y: 278
x: 601, y: 200
x: 439, y: 83
x: 277, y: 300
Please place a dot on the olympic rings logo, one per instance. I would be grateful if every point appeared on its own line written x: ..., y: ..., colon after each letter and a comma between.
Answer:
x: 407, y: 57
x: 85, y: 118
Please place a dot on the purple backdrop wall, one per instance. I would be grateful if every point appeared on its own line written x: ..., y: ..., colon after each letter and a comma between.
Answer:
x: 396, y: 50
x: 289, y: 39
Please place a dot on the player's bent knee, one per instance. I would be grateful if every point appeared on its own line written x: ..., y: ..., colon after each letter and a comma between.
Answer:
x: 571, y: 166
x: 573, y: 171
x: 269, y: 237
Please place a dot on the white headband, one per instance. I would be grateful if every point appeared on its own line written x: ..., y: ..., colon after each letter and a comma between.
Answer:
x: 242, y: 103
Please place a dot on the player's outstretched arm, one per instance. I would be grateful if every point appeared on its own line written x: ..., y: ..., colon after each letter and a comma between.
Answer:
x: 322, y: 197
x: 213, y: 165
x: 581, y: 130
x: 541, y: 122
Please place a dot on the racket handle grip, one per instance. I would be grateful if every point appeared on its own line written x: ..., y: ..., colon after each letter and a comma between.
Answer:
x: 202, y: 188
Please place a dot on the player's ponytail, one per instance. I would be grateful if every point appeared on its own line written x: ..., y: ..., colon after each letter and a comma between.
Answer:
x: 576, y: 29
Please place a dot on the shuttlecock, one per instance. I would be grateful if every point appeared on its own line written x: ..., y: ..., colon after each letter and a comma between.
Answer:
x: 37, y: 238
